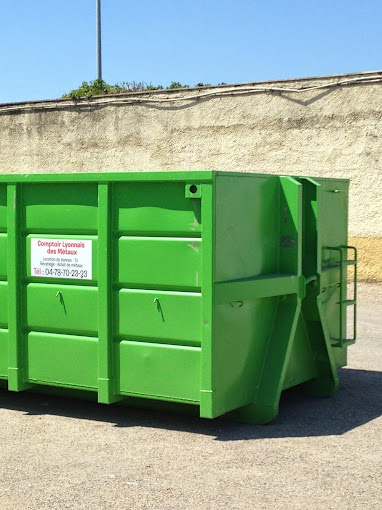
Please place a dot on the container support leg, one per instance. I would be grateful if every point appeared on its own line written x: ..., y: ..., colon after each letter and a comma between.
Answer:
x: 326, y: 382
x: 266, y: 402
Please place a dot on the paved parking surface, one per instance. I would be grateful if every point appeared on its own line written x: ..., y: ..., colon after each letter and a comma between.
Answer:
x: 320, y: 453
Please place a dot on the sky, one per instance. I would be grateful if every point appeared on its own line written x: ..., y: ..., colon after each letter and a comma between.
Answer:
x: 48, y: 47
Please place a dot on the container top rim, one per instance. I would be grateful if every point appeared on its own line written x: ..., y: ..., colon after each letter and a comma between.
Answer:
x: 187, y: 176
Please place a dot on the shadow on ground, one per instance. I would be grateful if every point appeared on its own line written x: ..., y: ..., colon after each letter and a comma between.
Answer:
x: 358, y: 401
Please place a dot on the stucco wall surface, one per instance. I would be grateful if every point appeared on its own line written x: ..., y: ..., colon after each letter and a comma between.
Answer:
x: 329, y: 132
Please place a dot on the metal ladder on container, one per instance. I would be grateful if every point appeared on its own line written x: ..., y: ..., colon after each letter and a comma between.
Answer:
x: 344, y: 302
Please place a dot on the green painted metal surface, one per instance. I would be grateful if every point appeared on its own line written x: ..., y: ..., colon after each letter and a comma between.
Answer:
x: 213, y: 289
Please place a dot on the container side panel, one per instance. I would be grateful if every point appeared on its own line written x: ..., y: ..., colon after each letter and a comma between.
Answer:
x: 59, y: 247
x: 290, y: 226
x: 62, y: 308
x: 311, y: 259
x: 62, y: 360
x: 3, y: 208
x: 159, y: 315
x: 330, y: 299
x: 61, y: 207
x: 3, y: 285
x: 152, y: 208
x: 333, y: 217
x: 166, y: 372
x: 4, y: 353
x: 247, y: 233
x: 157, y: 280
x: 241, y: 339
x: 4, y: 300
x: 333, y: 221
x: 247, y: 225
x: 3, y: 304
x: 171, y: 262
x: 3, y: 256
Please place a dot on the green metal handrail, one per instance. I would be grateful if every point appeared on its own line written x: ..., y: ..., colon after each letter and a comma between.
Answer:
x: 344, y: 303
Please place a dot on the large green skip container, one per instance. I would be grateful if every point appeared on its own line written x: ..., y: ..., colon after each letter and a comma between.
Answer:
x: 213, y: 289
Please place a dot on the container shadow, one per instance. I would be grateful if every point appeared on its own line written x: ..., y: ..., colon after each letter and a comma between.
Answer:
x: 357, y: 402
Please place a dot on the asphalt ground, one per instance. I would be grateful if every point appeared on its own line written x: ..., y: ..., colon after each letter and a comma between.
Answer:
x: 58, y: 453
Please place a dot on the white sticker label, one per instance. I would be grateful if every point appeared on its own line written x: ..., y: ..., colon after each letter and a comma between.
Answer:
x: 61, y: 258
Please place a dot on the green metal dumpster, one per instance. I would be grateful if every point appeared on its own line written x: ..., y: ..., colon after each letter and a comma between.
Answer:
x: 213, y: 289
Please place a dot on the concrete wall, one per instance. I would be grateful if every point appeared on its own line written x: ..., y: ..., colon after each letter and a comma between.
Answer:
x: 332, y: 132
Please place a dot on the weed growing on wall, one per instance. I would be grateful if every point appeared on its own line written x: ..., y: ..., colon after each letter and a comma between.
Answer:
x: 101, y: 88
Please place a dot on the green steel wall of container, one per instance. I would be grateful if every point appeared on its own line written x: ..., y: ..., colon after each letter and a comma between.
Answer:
x: 213, y: 289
